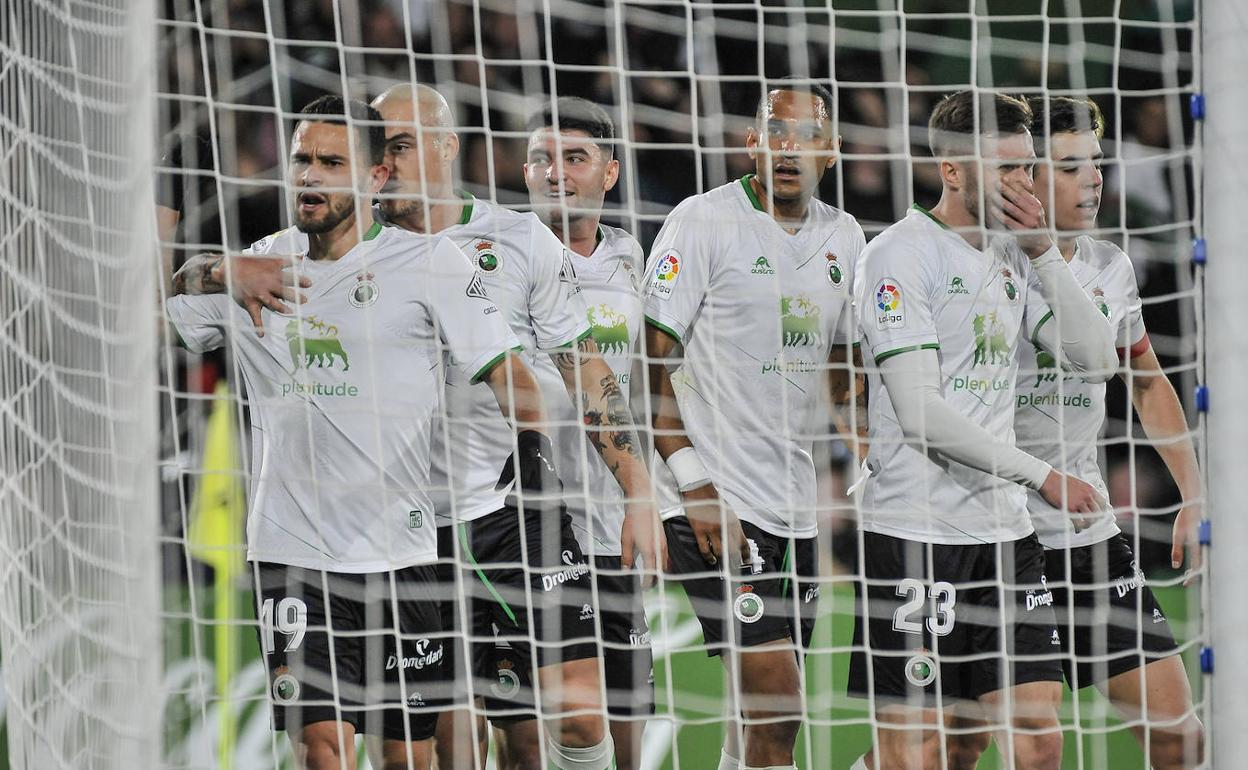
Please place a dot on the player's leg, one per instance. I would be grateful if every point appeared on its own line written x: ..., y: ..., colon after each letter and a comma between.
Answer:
x: 517, y: 744
x: 1159, y: 695
x: 627, y: 662
x: 506, y: 678
x: 314, y: 680
x: 1034, y: 734
x: 457, y: 731
x: 770, y: 701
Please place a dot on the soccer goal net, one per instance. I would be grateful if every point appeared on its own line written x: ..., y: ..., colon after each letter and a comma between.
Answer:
x: 130, y: 628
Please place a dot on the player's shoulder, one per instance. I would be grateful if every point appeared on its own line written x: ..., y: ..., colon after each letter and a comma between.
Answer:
x: 707, y: 207
x: 617, y: 239
x: 287, y: 241
x: 405, y: 244
x: 501, y: 219
x: 908, y: 233
x: 1103, y: 254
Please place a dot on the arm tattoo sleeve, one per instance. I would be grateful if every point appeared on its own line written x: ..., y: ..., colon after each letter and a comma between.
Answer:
x: 195, y: 277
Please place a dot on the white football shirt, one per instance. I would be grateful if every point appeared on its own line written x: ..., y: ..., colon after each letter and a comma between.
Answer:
x: 1059, y: 418
x: 758, y: 311
x: 343, y: 393
x: 610, y: 284
x: 530, y: 275
x: 921, y: 285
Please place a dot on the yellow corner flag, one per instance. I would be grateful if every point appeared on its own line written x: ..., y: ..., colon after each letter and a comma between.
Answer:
x: 218, y: 510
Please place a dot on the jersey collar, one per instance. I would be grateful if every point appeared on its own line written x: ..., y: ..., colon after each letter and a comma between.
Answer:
x: 373, y: 232
x: 929, y: 215
x: 466, y: 215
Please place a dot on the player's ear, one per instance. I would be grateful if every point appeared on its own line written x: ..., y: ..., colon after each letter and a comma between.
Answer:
x: 378, y: 175
x: 952, y: 175
x: 450, y: 146
x: 751, y: 141
x: 612, y: 176
x: 834, y: 153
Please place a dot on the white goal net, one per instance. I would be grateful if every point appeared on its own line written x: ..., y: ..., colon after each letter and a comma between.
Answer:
x: 129, y: 623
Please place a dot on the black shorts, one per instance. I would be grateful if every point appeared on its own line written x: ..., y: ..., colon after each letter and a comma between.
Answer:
x: 503, y: 560
x: 1114, y: 620
x: 628, y: 666
x: 329, y: 644
x: 772, y: 599
x: 933, y: 619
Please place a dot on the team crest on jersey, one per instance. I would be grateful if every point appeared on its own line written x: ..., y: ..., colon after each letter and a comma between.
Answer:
x: 507, y: 681
x: 748, y: 606
x: 364, y: 292
x: 799, y: 321
x: 1011, y: 288
x: 889, y: 313
x: 487, y: 258
x: 1098, y: 296
x: 666, y: 273
x: 835, y: 274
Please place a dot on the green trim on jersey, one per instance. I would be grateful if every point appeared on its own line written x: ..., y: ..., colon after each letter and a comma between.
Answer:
x: 463, y: 543
x: 665, y: 330
x: 493, y: 362
x: 600, y: 235
x: 181, y: 342
x: 1035, y: 334
x: 890, y: 353
x: 576, y: 341
x: 929, y: 215
x: 749, y: 192
x: 373, y: 232
x: 466, y: 214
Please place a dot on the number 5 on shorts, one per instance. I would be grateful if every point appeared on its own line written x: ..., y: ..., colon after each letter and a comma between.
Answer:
x: 945, y: 596
x: 291, y: 620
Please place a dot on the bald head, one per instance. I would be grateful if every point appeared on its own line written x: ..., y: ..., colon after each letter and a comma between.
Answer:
x: 410, y: 104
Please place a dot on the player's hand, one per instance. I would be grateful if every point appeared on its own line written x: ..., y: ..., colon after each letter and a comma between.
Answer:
x: 715, y: 526
x: 1014, y: 205
x: 1186, y: 534
x: 642, y: 536
x: 1075, y: 496
x: 260, y: 282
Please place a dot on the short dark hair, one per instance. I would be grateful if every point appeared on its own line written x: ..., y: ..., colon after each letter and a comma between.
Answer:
x: 959, y: 117
x: 797, y: 84
x: 1064, y: 115
x: 577, y: 114
x: 367, y: 120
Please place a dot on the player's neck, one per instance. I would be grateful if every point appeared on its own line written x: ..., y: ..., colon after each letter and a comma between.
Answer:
x: 789, y: 214
x: 447, y: 209
x: 581, y: 236
x: 330, y: 246
x: 1067, y: 247
x: 953, y: 214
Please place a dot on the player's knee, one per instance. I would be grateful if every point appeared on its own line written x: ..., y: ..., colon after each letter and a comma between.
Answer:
x: 1039, y: 751
x: 910, y: 749
x: 1178, y: 748
x: 581, y: 731
x: 321, y: 750
x: 964, y: 751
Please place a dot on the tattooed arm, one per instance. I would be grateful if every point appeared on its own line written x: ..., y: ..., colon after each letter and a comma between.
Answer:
x: 609, y: 427
x: 254, y: 282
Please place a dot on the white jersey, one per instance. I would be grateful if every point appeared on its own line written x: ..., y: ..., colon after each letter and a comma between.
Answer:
x: 921, y: 285
x: 343, y: 393
x: 609, y: 279
x: 758, y: 312
x: 529, y: 273
x: 1060, y: 417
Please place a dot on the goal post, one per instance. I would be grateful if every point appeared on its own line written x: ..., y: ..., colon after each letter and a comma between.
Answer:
x: 79, y: 536
x: 1225, y: 180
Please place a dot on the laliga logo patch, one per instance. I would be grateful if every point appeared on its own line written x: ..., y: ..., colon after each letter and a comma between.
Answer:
x: 835, y: 276
x: 487, y: 258
x: 920, y: 670
x: 285, y: 686
x: 666, y: 272
x: 888, y: 310
x: 364, y: 292
x: 748, y: 606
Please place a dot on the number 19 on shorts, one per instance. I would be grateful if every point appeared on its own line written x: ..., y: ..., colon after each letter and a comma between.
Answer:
x: 908, y: 618
x: 291, y: 619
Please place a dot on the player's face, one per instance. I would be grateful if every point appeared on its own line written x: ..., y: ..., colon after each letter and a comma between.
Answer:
x: 1004, y: 157
x: 420, y: 159
x: 1069, y: 185
x: 321, y: 178
x: 793, y: 144
x: 568, y: 175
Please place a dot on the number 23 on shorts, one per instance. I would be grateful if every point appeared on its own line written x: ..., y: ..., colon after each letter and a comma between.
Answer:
x: 942, y: 593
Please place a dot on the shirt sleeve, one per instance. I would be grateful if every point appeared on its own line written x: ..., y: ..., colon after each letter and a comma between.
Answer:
x: 200, y: 319
x: 893, y: 293
x: 678, y: 273
x: 847, y: 331
x: 468, y: 321
x: 556, y: 308
x: 1132, y: 336
x: 1036, y: 310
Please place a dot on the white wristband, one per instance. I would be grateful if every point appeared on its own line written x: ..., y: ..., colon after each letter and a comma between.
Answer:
x: 688, y: 469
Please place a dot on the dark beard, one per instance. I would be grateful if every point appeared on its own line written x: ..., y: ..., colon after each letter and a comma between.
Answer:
x: 396, y: 209
x: 339, y: 210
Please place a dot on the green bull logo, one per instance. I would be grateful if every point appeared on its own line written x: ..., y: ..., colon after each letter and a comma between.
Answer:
x: 991, y: 347
x: 799, y: 322
x: 315, y: 352
x: 609, y: 330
